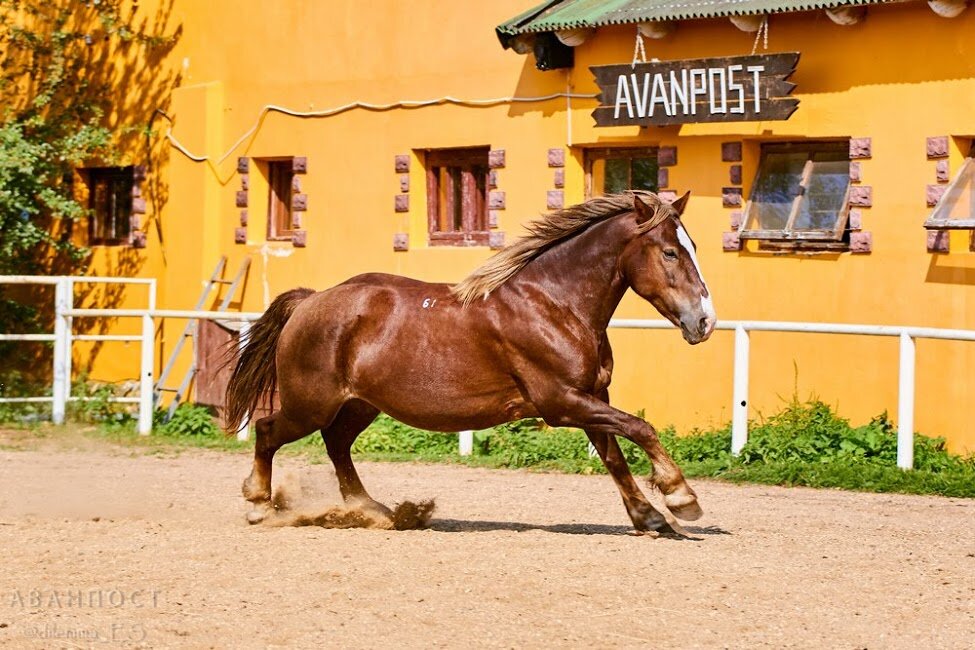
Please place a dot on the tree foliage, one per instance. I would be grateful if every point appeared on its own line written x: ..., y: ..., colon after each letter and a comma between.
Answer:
x: 65, y: 69
x: 56, y: 98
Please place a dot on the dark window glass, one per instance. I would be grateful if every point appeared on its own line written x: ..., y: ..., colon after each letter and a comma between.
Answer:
x: 611, y: 171
x: 110, y: 201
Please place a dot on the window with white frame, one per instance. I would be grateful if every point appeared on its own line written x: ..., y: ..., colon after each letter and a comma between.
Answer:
x: 956, y: 208
x: 800, y: 194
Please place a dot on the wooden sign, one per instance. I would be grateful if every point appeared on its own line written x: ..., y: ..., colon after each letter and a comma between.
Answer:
x: 729, y: 89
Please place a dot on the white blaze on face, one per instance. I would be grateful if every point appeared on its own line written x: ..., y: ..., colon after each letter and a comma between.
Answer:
x: 685, y: 241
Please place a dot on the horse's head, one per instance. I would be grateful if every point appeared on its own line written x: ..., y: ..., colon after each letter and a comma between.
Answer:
x: 660, y: 264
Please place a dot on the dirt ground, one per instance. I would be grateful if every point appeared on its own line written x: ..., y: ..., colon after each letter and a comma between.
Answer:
x: 105, y: 546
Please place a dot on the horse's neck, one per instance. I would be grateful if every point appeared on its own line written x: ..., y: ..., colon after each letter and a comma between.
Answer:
x: 582, y: 273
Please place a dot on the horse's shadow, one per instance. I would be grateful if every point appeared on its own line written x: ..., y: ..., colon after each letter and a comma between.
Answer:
x: 467, y: 526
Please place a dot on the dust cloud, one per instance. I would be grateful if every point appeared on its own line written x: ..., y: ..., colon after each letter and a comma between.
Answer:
x: 297, y: 505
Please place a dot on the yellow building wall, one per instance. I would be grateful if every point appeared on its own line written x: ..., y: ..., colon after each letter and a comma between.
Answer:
x: 898, y: 77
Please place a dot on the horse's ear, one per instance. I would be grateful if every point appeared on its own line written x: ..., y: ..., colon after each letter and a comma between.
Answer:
x: 681, y: 203
x: 642, y: 210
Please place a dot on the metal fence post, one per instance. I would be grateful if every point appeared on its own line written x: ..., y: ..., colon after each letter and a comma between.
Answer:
x: 466, y: 443
x: 59, y: 390
x: 243, y: 431
x: 68, y: 339
x: 148, y: 361
x: 739, y: 419
x: 905, y: 404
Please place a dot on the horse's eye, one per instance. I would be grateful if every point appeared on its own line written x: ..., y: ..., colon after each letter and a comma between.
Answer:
x: 670, y: 254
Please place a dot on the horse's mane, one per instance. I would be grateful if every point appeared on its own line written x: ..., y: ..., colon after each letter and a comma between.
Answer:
x: 550, y: 230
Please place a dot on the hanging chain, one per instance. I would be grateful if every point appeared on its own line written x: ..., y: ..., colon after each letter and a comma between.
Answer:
x: 762, y: 33
x: 639, y: 51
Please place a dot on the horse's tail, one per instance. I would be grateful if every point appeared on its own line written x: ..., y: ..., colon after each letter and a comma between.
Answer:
x: 255, y: 375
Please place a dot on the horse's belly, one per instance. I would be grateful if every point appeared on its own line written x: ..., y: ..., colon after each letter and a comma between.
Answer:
x: 440, y: 406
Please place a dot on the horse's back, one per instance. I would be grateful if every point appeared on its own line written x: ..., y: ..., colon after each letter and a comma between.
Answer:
x: 387, y: 280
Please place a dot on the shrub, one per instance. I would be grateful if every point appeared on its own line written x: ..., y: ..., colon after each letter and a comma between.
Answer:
x: 387, y: 436
x: 14, y: 384
x: 191, y: 420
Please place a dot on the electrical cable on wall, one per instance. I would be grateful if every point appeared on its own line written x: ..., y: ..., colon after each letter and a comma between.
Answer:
x: 271, y: 108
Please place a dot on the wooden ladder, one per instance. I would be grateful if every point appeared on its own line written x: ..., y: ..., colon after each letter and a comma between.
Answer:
x: 191, y: 330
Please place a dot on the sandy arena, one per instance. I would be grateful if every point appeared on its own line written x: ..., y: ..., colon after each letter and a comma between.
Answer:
x: 106, y: 547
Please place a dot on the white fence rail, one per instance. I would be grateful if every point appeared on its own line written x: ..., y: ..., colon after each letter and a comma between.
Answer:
x: 148, y: 317
x: 62, y: 336
x: 65, y: 313
x: 905, y: 396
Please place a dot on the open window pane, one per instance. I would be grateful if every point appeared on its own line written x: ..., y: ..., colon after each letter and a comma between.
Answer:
x: 825, y: 196
x: 777, y: 185
x: 956, y: 209
x: 800, y: 193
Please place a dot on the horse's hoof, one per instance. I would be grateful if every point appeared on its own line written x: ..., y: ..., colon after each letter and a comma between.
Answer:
x: 682, y: 502
x: 258, y: 514
x: 646, y: 519
x: 688, y: 512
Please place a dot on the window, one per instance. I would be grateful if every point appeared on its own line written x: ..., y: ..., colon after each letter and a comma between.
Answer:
x: 457, y: 181
x: 800, y: 194
x: 610, y: 171
x: 280, y: 180
x: 956, y: 209
x: 110, y: 201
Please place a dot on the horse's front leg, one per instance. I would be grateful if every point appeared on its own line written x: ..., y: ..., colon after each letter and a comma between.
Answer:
x: 644, y: 516
x: 577, y: 409
x: 642, y: 513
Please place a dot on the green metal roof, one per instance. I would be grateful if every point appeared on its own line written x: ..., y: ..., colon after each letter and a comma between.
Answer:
x: 554, y: 15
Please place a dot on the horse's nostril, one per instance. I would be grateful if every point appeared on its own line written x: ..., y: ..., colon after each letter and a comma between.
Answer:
x: 703, y: 326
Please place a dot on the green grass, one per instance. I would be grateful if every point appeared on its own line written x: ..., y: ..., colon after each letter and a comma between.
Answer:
x: 806, y: 443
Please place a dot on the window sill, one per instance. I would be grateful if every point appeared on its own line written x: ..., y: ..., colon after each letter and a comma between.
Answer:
x: 967, y: 224
x: 123, y: 243
x: 807, y: 246
x: 461, y: 239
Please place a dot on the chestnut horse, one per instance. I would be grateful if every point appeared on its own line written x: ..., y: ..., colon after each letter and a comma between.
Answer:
x: 523, y: 336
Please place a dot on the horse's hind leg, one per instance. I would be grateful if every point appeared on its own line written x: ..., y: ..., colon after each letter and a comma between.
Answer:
x: 272, y: 433
x: 352, y: 420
